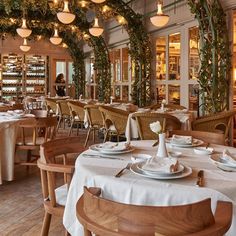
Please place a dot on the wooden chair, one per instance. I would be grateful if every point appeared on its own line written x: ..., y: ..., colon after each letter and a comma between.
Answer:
x: 51, y: 105
x: 5, y: 108
x: 108, y: 218
x: 95, y: 120
x: 208, y: 137
x: 55, y: 198
x: 34, y: 132
x: 115, y: 121
x: 63, y: 112
x: 168, y: 123
x: 218, y: 123
x: 77, y: 114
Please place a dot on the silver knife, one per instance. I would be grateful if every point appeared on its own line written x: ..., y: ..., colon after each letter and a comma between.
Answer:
x: 200, y: 178
x: 99, y: 156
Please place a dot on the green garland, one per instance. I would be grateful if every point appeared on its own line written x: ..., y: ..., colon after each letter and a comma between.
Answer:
x: 140, y: 52
x: 215, y: 56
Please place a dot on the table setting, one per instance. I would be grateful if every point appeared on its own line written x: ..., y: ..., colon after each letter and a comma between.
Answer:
x: 131, y: 172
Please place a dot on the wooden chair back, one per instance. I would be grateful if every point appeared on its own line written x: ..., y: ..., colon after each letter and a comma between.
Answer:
x: 167, y: 121
x: 94, y: 115
x: 35, y: 131
x: 51, y: 105
x: 218, y: 123
x: 63, y: 108
x: 76, y: 109
x: 17, y: 106
x: 109, y: 218
x: 207, y: 137
x: 116, y: 117
x: 50, y: 165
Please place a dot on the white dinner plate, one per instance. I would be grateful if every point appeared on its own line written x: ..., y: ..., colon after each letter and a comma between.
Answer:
x: 161, y: 173
x: 216, y: 159
x: 203, y: 150
x: 195, y: 143
x: 113, y: 147
x: 96, y: 147
x: 186, y: 172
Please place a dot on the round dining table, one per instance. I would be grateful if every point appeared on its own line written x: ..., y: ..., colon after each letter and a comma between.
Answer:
x: 8, y: 135
x: 93, y: 169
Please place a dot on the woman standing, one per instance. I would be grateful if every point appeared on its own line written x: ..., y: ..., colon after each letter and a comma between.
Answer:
x: 60, y: 89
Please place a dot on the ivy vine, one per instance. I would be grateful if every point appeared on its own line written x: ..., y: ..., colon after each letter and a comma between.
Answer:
x: 215, y: 56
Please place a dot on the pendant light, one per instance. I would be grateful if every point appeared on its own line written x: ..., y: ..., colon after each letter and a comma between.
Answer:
x: 159, y: 19
x: 65, y: 17
x: 98, y: 1
x: 96, y: 30
x: 23, y: 31
x: 56, y: 40
x: 25, y: 47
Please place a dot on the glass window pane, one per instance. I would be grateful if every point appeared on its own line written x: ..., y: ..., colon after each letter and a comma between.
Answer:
x: 161, y: 92
x: 193, y: 96
x: 174, y: 94
x: 161, y: 58
x: 194, y: 62
x: 71, y: 72
x: 125, y: 64
x: 117, y: 65
x: 174, y: 56
x: 61, y: 68
x: 117, y: 92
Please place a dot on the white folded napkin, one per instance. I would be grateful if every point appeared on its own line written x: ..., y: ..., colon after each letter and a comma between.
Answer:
x: 227, y: 158
x: 115, y: 146
x: 180, y: 139
x: 165, y: 165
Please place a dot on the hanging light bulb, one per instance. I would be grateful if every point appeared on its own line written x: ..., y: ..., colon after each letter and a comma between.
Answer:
x: 98, y: 1
x: 23, y: 31
x: 25, y: 47
x: 65, y: 17
x: 56, y: 40
x: 159, y: 19
x: 96, y: 30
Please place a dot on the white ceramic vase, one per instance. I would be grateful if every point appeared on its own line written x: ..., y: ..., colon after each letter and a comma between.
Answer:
x: 162, y: 151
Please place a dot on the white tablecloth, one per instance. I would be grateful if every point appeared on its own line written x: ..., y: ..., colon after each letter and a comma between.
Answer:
x: 131, y: 131
x: 8, y: 135
x: 134, y: 189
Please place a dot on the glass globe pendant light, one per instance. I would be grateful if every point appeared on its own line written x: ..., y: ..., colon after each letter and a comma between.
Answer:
x: 96, y: 30
x: 25, y: 47
x: 159, y: 19
x: 23, y: 31
x: 65, y: 17
x: 98, y: 1
x: 56, y: 40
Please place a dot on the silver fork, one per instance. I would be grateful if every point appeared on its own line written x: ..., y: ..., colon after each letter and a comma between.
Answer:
x: 122, y: 170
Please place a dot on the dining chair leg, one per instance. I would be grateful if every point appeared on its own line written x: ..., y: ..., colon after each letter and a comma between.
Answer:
x: 105, y: 136
x: 59, y: 122
x: 71, y: 127
x: 88, y: 134
x: 28, y: 159
x: 93, y: 135
x: 46, y: 224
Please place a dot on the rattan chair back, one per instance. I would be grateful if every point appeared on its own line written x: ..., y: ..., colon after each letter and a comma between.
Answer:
x: 168, y: 123
x: 51, y: 105
x: 218, y: 123
x: 94, y: 115
x: 116, y: 117
x: 76, y: 109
